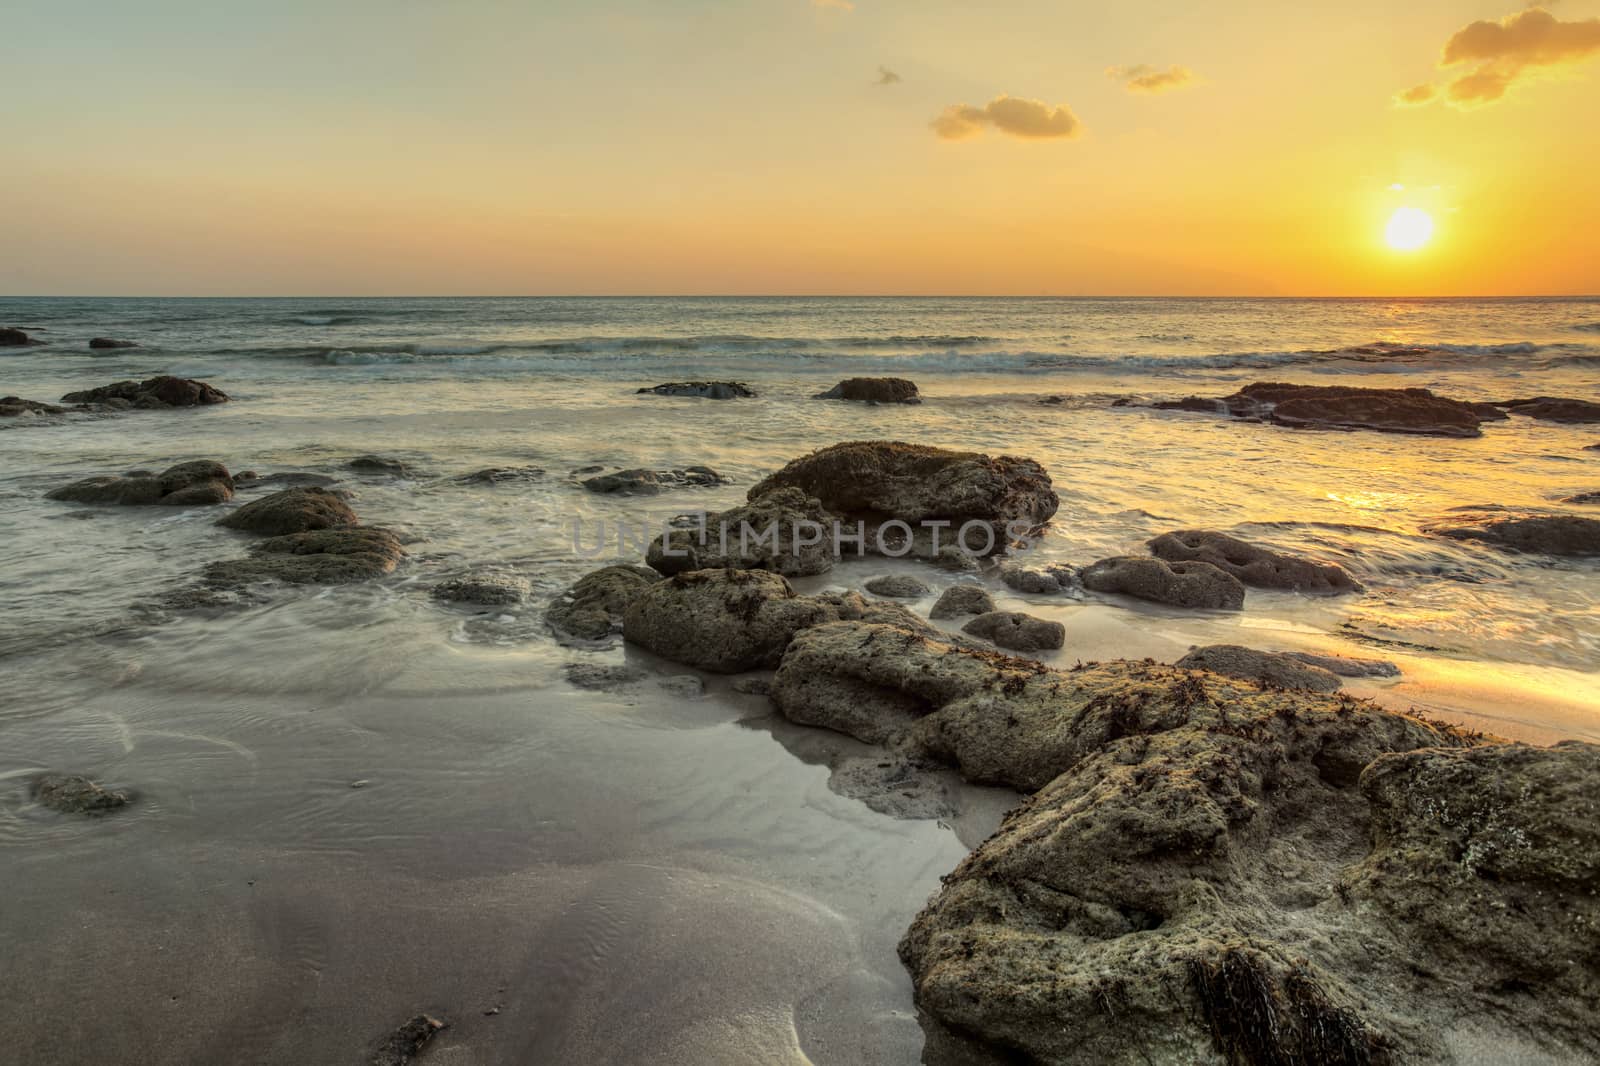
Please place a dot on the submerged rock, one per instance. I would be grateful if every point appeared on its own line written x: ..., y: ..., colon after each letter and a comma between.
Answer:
x: 378, y: 464
x: 110, y: 342
x: 1344, y: 407
x: 1564, y: 535
x: 640, y: 482
x: 1269, y: 668
x: 498, y: 475
x: 1583, y: 497
x: 1180, y: 584
x: 1554, y: 409
x: 1047, y: 579
x: 165, y: 391
x: 709, y: 390
x: 785, y: 531
x: 191, y: 484
x: 880, y: 481
x: 1251, y: 564
x: 75, y: 794
x: 598, y: 677
x: 1017, y: 631
x: 318, y: 557
x: 1347, y: 665
x: 292, y: 478
x: 294, y: 510
x: 901, y: 586
x: 13, y: 406
x: 489, y: 588
x: 592, y: 608
x: 873, y: 390
x: 959, y: 600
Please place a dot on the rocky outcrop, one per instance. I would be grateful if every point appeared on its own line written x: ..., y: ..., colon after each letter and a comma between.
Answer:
x: 878, y: 481
x: 709, y: 390
x: 1017, y: 631
x: 295, y: 510
x: 319, y: 557
x: 640, y: 482
x: 592, y: 609
x: 11, y: 337
x: 1035, y: 580
x: 1252, y: 565
x: 1180, y: 584
x: 1554, y: 409
x: 1267, y: 668
x: 13, y: 406
x: 110, y: 342
x: 873, y: 390
x: 191, y: 484
x: 898, y: 586
x: 489, y: 588
x: 1344, y: 407
x: 1533, y: 534
x: 960, y: 600
x: 158, y: 392
x: 75, y: 794
x: 785, y: 531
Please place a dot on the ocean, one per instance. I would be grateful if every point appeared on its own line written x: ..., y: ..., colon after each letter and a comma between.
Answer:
x: 597, y: 833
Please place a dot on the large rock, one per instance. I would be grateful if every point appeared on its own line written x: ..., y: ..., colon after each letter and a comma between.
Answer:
x: 1017, y: 631
x: 110, y: 342
x: 13, y: 406
x: 1567, y: 535
x: 487, y: 588
x: 191, y: 484
x: 898, y: 586
x: 1268, y: 668
x: 873, y: 390
x: 1346, y: 407
x: 1182, y: 584
x: 785, y: 531
x: 592, y: 609
x: 709, y: 390
x: 1555, y: 409
x: 1195, y: 880
x: 165, y: 391
x: 641, y: 482
x: 76, y: 794
x: 959, y: 600
x: 1048, y: 579
x: 1251, y: 564
x: 11, y: 337
x: 296, y: 510
x: 320, y: 557
x: 879, y: 481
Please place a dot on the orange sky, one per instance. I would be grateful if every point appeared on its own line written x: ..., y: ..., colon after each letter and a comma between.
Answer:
x: 791, y: 146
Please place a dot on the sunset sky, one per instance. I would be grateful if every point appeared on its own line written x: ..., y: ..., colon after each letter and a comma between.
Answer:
x: 796, y: 146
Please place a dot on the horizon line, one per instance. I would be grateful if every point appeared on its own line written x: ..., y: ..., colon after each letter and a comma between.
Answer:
x: 803, y: 296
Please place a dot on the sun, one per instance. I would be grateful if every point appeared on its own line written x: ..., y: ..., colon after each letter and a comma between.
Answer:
x: 1409, y: 228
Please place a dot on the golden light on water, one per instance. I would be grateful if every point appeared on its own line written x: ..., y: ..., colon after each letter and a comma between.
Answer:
x: 1408, y: 229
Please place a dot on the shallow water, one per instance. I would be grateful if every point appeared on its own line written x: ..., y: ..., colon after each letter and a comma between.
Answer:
x: 639, y: 876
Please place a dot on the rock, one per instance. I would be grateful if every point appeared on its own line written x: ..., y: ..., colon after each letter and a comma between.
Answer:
x: 295, y: 510
x: 709, y: 390
x: 1040, y: 579
x: 640, y: 482
x: 882, y: 481
x: 191, y: 484
x: 752, y: 686
x: 592, y: 609
x: 318, y: 557
x: 1198, y: 404
x: 873, y: 390
x: 403, y: 1045
x: 684, y: 686
x: 1591, y: 447
x: 959, y: 600
x: 1566, y: 535
x: 1252, y: 565
x: 108, y: 342
x: 163, y: 391
x: 600, y: 678
x: 1017, y: 631
x: 489, y: 588
x: 1182, y: 584
x: 12, y: 406
x: 953, y: 559
x: 497, y: 475
x: 74, y: 794
x: 1553, y: 409
x: 1347, y: 665
x: 785, y: 531
x: 10, y: 337
x: 378, y: 464
x: 1583, y: 497
x: 1268, y: 668
x: 903, y: 586
x: 1344, y: 407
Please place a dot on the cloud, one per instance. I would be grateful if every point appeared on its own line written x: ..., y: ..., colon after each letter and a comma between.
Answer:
x: 1417, y: 95
x: 1028, y: 119
x: 1143, y: 78
x: 1505, y: 52
x: 887, y: 77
